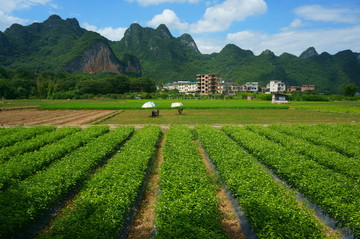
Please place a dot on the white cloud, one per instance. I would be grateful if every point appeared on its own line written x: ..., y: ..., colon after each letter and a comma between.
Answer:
x: 7, y: 20
x: 157, y: 2
x: 250, y: 40
x: 215, y: 19
x: 8, y: 6
x: 335, y: 15
x: 113, y: 34
x: 220, y: 17
x: 55, y: 6
x: 208, y: 45
x: 169, y: 18
x: 294, y: 24
x: 295, y: 42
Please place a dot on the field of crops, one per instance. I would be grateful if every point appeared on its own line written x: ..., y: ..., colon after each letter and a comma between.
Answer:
x: 163, y: 104
x: 72, y: 182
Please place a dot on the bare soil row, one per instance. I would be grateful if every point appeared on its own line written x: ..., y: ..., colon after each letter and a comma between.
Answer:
x: 143, y: 223
x: 48, y: 117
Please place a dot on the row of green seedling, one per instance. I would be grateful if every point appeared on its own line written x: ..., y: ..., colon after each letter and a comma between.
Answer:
x: 338, y: 133
x: 325, y: 139
x: 102, y: 207
x: 347, y: 128
x: 21, y: 166
x: 343, y: 131
x: 334, y: 192
x: 186, y: 205
x: 30, y: 199
x: 35, y: 143
x: 272, y: 210
x: 10, y: 130
x: 321, y: 154
x: 23, y: 134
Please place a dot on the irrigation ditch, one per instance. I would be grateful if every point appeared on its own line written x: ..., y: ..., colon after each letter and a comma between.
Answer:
x: 246, y: 228
x: 322, y: 216
x: 131, y: 217
x: 235, y: 229
x: 143, y: 223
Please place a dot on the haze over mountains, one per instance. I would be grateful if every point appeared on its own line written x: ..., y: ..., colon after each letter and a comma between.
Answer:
x: 62, y: 45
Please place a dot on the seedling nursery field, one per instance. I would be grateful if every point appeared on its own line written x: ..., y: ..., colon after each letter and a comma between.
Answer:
x: 260, y: 174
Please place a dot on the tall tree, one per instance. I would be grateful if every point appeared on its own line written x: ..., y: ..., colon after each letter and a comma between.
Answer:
x: 349, y: 89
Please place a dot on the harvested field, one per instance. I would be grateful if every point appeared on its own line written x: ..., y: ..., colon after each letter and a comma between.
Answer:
x: 48, y: 117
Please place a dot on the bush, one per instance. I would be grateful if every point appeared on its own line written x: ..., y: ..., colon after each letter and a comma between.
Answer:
x: 314, y: 98
x: 267, y: 97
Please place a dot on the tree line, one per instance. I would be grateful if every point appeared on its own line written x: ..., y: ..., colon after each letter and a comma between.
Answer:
x: 21, y: 84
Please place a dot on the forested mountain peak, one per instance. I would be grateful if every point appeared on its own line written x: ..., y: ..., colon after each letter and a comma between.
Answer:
x: 189, y: 41
x: 310, y: 52
x: 58, y: 45
x: 164, y: 31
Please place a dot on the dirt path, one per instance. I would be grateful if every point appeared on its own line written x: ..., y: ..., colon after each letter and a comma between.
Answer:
x: 229, y: 221
x: 143, y: 225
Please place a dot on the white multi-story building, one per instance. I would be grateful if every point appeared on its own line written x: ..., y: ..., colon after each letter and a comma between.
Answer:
x: 276, y: 86
x: 207, y: 84
x: 186, y: 87
x: 252, y: 87
x: 229, y: 88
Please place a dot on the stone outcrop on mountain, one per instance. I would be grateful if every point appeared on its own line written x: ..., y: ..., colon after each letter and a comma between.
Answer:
x: 62, y: 45
x: 310, y: 52
x: 97, y: 58
x: 189, y: 41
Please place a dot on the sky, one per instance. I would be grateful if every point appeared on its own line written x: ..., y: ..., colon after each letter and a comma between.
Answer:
x: 278, y: 25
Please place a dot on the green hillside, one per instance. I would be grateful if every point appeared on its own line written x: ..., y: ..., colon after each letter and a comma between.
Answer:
x: 60, y: 45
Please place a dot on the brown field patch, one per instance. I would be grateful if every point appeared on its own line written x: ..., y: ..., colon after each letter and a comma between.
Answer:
x: 55, y: 117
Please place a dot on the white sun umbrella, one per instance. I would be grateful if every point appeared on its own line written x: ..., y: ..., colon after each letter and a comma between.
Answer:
x: 149, y: 104
x: 176, y: 104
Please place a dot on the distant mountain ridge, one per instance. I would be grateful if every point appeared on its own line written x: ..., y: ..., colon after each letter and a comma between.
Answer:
x: 58, y: 45
x: 62, y: 45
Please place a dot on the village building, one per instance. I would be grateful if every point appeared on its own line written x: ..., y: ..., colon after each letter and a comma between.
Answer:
x: 307, y: 87
x: 251, y: 87
x: 208, y: 84
x: 293, y: 88
x: 301, y: 88
x: 229, y: 88
x: 186, y: 87
x: 280, y: 99
x: 276, y: 86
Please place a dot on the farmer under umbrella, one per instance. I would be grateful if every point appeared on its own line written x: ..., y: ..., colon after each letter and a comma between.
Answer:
x: 151, y: 104
x: 177, y: 104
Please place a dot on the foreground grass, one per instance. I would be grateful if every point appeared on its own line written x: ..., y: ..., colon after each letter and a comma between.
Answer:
x: 231, y: 116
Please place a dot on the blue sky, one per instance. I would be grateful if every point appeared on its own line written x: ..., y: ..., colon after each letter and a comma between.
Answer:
x: 279, y: 25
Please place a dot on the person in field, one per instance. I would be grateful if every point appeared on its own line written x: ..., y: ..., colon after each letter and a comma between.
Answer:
x: 155, y: 113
